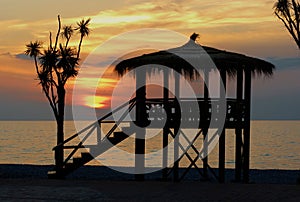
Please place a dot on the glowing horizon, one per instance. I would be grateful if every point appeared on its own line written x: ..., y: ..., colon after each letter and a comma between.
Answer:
x: 250, y: 29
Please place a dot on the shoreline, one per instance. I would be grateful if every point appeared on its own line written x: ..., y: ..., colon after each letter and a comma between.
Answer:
x: 28, y: 171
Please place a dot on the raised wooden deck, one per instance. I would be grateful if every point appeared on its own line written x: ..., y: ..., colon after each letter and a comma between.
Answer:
x: 195, y: 113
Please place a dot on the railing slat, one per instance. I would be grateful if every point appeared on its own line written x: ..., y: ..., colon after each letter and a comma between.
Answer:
x: 98, y: 121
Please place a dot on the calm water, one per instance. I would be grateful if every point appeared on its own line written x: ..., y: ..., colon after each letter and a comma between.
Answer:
x: 274, y: 144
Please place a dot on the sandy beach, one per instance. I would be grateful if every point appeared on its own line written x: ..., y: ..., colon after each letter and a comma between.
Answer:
x: 29, y: 183
x: 103, y: 190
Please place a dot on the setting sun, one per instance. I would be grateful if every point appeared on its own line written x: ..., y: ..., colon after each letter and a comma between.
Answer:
x: 96, y: 101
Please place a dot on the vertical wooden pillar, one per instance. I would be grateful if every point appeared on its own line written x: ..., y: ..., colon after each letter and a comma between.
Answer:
x: 176, y: 132
x: 99, y: 136
x: 246, y: 147
x: 141, y: 122
x: 223, y: 131
x: 206, y: 122
x: 238, y: 126
x: 166, y: 127
x: 140, y: 154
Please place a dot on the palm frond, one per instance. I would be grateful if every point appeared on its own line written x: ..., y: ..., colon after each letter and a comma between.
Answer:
x: 49, y: 59
x: 68, y: 59
x: 83, y: 27
x: 45, y: 79
x: 33, y: 49
x: 67, y: 31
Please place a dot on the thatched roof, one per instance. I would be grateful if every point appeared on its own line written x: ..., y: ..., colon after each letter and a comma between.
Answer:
x: 179, y: 60
x: 163, y: 58
x: 233, y: 61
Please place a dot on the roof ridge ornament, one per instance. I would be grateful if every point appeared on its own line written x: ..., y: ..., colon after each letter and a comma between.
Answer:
x: 194, y: 36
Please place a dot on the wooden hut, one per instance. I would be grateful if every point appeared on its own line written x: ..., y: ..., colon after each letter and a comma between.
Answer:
x: 181, y: 60
x: 237, y: 111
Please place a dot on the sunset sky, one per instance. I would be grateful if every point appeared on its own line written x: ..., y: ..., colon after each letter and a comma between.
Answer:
x: 249, y: 28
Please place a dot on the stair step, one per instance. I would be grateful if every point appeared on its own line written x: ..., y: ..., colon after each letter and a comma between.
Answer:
x: 70, y: 166
x: 112, y: 140
x: 86, y: 157
x: 116, y: 140
x: 120, y: 135
x: 52, y: 174
x: 77, y: 160
x: 119, y: 139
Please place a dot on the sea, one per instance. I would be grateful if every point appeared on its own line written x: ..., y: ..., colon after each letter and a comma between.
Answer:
x: 274, y: 144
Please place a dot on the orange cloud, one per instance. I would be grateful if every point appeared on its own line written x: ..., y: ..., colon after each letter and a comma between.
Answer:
x: 226, y: 24
x: 233, y: 25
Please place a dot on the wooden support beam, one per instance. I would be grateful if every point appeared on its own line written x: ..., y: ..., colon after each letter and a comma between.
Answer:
x: 140, y: 154
x: 141, y: 122
x: 99, y: 135
x: 238, y: 129
x: 141, y: 114
x: 223, y: 131
x: 166, y: 127
x: 246, y: 145
x: 206, y: 123
x: 176, y: 132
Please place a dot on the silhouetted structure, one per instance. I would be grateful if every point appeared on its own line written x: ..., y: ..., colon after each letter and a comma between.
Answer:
x: 181, y: 111
x: 54, y: 66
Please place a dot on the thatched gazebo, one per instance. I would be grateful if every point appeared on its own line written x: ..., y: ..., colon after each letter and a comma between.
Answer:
x: 185, y: 61
x: 172, y: 114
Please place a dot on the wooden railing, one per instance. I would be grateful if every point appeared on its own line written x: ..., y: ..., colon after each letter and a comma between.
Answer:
x: 194, y: 112
x: 92, y: 127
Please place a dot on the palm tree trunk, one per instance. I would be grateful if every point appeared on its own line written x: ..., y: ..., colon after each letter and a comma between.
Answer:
x: 79, y: 46
x: 36, y: 65
x: 59, y: 153
x: 67, y: 42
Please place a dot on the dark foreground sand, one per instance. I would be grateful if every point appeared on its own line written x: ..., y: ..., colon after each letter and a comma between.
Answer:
x: 103, y: 190
x: 29, y: 183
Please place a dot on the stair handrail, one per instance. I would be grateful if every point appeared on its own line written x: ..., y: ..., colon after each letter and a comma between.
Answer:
x: 90, y: 132
x: 117, y: 123
x: 92, y: 124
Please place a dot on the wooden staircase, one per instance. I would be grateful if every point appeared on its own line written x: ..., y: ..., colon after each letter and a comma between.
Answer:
x: 105, y: 142
x: 86, y: 157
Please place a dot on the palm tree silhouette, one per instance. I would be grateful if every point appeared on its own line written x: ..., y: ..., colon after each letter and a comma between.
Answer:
x: 54, y: 66
x: 33, y: 50
x: 67, y: 33
x: 288, y: 11
x: 83, y: 29
x: 68, y: 60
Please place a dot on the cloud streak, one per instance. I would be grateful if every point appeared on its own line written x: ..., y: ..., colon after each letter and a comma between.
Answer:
x: 234, y: 25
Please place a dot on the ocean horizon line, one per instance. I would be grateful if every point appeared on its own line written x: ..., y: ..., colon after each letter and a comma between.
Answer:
x: 267, y: 119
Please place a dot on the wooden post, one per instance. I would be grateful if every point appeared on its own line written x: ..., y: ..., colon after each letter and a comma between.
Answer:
x: 176, y: 132
x: 246, y: 147
x: 166, y: 127
x: 59, y: 152
x: 140, y: 154
x: 99, y: 133
x: 141, y: 121
x: 238, y: 126
x: 222, y: 136
x: 206, y: 122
